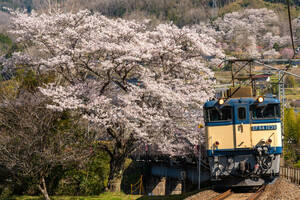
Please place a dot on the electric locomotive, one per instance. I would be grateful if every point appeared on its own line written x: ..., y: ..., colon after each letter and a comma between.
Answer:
x: 243, y: 139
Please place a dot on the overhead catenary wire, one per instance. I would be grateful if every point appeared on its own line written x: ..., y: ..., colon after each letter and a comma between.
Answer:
x: 274, y: 68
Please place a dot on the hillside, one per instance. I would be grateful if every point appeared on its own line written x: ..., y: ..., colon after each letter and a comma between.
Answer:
x: 183, y: 12
x: 278, y: 6
x: 24, y: 4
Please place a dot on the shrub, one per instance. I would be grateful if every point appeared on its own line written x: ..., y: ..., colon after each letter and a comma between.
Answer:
x: 90, y: 179
x: 6, y: 193
x: 297, y: 164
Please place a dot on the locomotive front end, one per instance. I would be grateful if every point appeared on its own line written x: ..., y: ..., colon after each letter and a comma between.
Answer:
x: 244, y: 140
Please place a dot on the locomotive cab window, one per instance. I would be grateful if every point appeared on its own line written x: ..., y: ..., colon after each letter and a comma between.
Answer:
x: 214, y: 114
x: 242, y: 113
x: 267, y: 111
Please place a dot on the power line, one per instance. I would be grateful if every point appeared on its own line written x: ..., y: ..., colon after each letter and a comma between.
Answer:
x: 291, y: 29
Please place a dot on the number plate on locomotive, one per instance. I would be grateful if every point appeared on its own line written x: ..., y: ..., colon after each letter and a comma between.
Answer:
x: 263, y: 128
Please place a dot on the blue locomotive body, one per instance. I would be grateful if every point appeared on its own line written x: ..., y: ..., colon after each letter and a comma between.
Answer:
x: 244, y: 140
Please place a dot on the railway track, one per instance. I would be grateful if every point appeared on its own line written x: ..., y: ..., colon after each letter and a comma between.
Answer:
x: 230, y: 195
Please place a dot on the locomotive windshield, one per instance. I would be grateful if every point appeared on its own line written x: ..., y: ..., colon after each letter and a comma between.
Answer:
x: 214, y: 114
x: 267, y: 111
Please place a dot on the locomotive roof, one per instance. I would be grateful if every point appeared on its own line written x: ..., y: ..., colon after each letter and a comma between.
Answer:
x: 242, y: 100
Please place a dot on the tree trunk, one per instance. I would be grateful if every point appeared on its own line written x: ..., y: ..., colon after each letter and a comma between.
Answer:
x: 121, y: 149
x: 43, y: 189
x: 116, y: 173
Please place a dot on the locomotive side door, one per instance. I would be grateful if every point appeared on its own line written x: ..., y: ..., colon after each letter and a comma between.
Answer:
x: 242, y: 127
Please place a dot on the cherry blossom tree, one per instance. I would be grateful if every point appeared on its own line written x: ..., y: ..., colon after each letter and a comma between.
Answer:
x: 133, y: 83
x: 269, y: 40
x: 271, y: 54
x: 252, y: 48
x: 254, y: 22
x: 287, y: 53
x: 246, y: 30
x: 296, y: 28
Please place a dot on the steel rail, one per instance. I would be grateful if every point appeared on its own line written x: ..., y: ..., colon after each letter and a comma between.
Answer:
x: 228, y: 194
x: 258, y: 193
x: 223, y: 195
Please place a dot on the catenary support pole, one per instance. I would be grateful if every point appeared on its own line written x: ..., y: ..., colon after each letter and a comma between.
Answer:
x: 199, y: 166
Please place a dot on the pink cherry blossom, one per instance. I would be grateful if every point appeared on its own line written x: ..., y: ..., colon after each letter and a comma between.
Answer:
x: 119, y: 73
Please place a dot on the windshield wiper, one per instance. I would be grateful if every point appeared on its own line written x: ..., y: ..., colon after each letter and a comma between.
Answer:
x: 219, y: 111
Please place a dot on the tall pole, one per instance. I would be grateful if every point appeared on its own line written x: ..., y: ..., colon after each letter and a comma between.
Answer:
x: 291, y: 29
x: 281, y: 97
x: 232, y: 74
x: 199, y: 166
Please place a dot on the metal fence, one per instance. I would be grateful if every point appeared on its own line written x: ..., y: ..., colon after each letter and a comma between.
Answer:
x: 292, y: 174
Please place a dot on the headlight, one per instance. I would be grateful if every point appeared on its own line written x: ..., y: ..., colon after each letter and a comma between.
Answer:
x: 221, y: 101
x: 260, y: 99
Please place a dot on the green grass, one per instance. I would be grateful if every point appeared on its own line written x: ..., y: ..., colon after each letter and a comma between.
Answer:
x: 103, y: 196
x: 111, y: 196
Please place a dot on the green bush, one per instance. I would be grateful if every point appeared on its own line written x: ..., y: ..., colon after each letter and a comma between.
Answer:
x: 5, y: 43
x: 276, y: 47
x: 290, y: 82
x: 89, y: 180
x: 6, y: 193
x: 4, y: 39
x: 297, y: 164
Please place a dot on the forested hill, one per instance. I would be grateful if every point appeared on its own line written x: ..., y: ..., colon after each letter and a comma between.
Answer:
x: 297, y: 2
x: 181, y: 12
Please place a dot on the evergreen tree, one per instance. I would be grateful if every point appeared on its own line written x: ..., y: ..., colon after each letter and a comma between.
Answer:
x: 290, y: 126
x: 298, y: 127
x: 290, y: 82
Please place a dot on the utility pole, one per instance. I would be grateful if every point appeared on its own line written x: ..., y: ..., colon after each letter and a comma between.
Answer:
x: 199, y: 165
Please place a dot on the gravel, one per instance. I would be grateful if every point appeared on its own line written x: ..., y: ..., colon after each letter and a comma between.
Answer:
x: 205, y: 195
x: 282, y: 189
